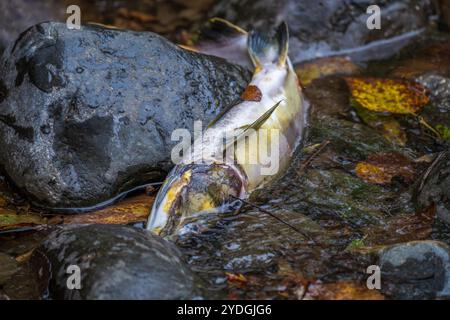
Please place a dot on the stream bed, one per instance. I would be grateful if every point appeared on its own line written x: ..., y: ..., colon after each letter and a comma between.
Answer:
x: 340, y: 220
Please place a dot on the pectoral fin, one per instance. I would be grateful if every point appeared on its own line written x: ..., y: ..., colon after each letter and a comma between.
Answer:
x: 255, y: 125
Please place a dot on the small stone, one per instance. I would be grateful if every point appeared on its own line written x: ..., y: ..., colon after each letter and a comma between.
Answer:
x: 416, y: 270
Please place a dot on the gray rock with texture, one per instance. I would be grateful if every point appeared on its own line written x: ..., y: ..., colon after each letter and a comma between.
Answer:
x: 416, y: 270
x: 116, y: 262
x: 322, y: 28
x: 86, y: 115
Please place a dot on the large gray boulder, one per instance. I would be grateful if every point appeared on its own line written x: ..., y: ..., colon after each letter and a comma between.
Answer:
x: 87, y: 114
x: 115, y: 262
x: 330, y: 27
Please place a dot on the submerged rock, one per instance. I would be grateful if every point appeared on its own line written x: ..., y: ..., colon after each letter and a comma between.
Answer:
x: 8, y: 266
x: 87, y: 114
x: 416, y: 270
x: 435, y: 187
x: 115, y: 262
x: 319, y: 28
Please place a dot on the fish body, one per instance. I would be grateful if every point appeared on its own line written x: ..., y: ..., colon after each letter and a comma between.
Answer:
x: 272, y: 113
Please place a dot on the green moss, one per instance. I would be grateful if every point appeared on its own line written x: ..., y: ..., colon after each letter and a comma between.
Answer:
x: 356, y: 244
x: 353, y: 140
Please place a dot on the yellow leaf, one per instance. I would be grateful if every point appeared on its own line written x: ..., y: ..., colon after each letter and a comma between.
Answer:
x: 131, y: 210
x: 10, y: 220
x: 388, y: 95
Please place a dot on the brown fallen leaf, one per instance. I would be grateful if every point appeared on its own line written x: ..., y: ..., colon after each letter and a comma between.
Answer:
x: 251, y: 93
x: 310, y: 70
x: 236, y: 278
x: 131, y: 210
x: 388, y: 95
x: 382, y: 167
x: 402, y: 228
x: 342, y: 290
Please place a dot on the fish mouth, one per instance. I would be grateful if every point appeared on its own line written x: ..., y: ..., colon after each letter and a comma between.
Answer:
x: 193, y: 189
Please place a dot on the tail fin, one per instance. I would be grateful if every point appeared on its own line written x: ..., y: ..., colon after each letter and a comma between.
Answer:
x: 263, y: 49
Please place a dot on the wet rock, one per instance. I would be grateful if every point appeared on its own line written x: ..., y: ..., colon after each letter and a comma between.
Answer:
x: 86, y: 115
x: 116, y: 262
x: 435, y: 187
x: 416, y: 270
x: 430, y: 66
x: 439, y: 88
x: 319, y: 28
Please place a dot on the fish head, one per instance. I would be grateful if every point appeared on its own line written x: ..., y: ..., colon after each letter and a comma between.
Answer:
x: 193, y: 189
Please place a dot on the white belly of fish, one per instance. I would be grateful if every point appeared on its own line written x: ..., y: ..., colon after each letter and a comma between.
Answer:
x: 280, y: 133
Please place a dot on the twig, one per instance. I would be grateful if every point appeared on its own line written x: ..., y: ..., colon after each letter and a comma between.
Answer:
x: 427, y: 173
x: 429, y: 127
x: 273, y: 216
x: 305, y: 164
x: 305, y: 290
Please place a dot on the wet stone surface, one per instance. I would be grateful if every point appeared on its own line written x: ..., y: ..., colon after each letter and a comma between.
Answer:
x: 116, y: 262
x: 344, y: 220
x: 345, y: 223
x: 416, y: 270
x: 86, y: 115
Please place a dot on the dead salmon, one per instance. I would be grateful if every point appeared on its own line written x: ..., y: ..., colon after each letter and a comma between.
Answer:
x: 246, y: 146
